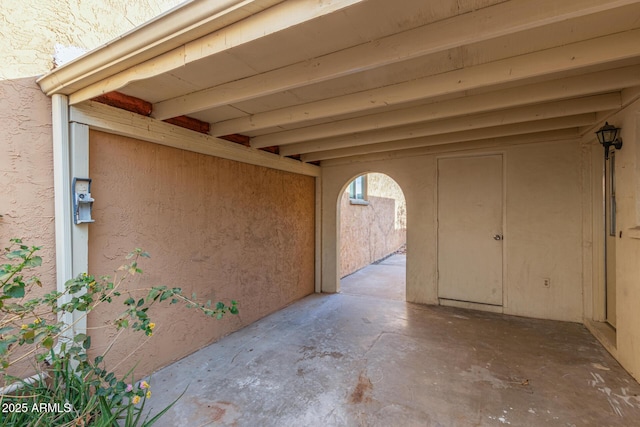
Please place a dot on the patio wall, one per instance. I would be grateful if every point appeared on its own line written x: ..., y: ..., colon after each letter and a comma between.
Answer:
x: 553, y: 228
x: 543, y: 223
x: 222, y: 229
x: 627, y: 246
x: 30, y: 32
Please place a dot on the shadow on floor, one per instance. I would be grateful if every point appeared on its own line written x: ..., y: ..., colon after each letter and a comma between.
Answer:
x: 371, y: 359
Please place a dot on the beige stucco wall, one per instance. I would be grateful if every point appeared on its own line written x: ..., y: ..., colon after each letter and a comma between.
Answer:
x: 543, y: 225
x: 222, y: 229
x: 30, y: 31
x: 627, y: 246
x: 372, y: 231
x: 26, y: 170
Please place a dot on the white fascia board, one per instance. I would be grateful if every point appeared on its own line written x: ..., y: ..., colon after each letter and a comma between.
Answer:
x: 168, y: 31
x: 120, y: 122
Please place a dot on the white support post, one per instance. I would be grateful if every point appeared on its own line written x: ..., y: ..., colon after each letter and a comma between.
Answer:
x: 318, y: 236
x: 62, y: 196
x: 79, y: 157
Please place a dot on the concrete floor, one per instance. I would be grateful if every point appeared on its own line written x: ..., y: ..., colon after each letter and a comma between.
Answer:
x: 361, y: 358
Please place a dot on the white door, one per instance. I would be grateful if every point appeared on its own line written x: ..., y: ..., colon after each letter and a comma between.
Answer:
x: 470, y: 229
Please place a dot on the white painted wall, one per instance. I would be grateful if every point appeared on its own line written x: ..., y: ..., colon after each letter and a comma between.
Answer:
x: 627, y: 246
x: 543, y: 224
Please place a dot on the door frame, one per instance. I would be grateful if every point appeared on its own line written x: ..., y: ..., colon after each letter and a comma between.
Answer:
x: 505, y: 241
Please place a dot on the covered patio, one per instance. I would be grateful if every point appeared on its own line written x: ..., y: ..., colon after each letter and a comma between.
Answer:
x: 365, y: 358
x: 221, y: 135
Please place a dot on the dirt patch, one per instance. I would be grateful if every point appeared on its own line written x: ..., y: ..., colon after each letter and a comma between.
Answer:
x: 310, y: 352
x: 364, y: 386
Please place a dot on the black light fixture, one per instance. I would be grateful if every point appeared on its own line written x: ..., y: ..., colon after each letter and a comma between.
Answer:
x: 608, y: 136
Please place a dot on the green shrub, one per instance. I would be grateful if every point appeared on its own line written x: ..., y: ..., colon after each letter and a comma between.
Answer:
x: 69, y: 389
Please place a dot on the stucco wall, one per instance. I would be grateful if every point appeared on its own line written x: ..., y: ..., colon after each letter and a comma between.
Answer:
x: 627, y: 247
x: 372, y: 231
x: 543, y: 225
x: 26, y: 170
x: 29, y: 31
x: 222, y: 229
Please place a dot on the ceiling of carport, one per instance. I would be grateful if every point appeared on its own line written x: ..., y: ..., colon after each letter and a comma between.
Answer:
x: 331, y: 79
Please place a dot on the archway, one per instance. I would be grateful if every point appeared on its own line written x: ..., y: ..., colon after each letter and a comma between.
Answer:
x: 371, y: 237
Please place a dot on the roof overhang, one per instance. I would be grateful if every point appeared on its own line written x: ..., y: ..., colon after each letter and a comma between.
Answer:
x: 341, y: 78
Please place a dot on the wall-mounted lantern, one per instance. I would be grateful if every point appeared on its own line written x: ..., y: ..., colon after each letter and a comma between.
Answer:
x: 608, y: 136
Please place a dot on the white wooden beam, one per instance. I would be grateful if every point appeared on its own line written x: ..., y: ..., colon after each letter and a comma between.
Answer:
x: 629, y: 95
x: 120, y: 122
x: 509, y: 131
x: 546, y: 64
x: 560, y: 136
x: 480, y: 25
x: 569, y: 87
x: 422, y: 118
x: 254, y: 26
x: 508, y: 121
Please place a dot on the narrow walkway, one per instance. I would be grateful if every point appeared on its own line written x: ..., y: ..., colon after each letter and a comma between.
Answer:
x: 384, y: 279
x: 353, y: 359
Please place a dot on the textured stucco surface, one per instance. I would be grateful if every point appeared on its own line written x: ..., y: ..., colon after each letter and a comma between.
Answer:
x: 26, y: 169
x: 371, y: 232
x: 627, y: 246
x: 29, y: 31
x: 222, y: 229
x: 26, y: 180
x: 543, y: 225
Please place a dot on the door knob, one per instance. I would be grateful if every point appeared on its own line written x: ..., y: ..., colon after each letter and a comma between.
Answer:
x: 498, y: 237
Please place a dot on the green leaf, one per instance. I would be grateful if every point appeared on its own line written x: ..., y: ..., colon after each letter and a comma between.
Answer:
x: 6, y: 329
x: 80, y: 338
x: 140, y: 302
x: 15, y: 254
x: 29, y: 335
x: 14, y: 291
x: 48, y: 343
x: 87, y: 343
x: 129, y: 301
x: 34, y: 261
x: 4, y: 347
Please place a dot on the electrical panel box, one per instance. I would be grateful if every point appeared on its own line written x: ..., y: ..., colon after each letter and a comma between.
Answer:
x: 82, y: 201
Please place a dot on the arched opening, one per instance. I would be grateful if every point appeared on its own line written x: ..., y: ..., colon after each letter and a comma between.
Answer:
x: 372, y: 236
